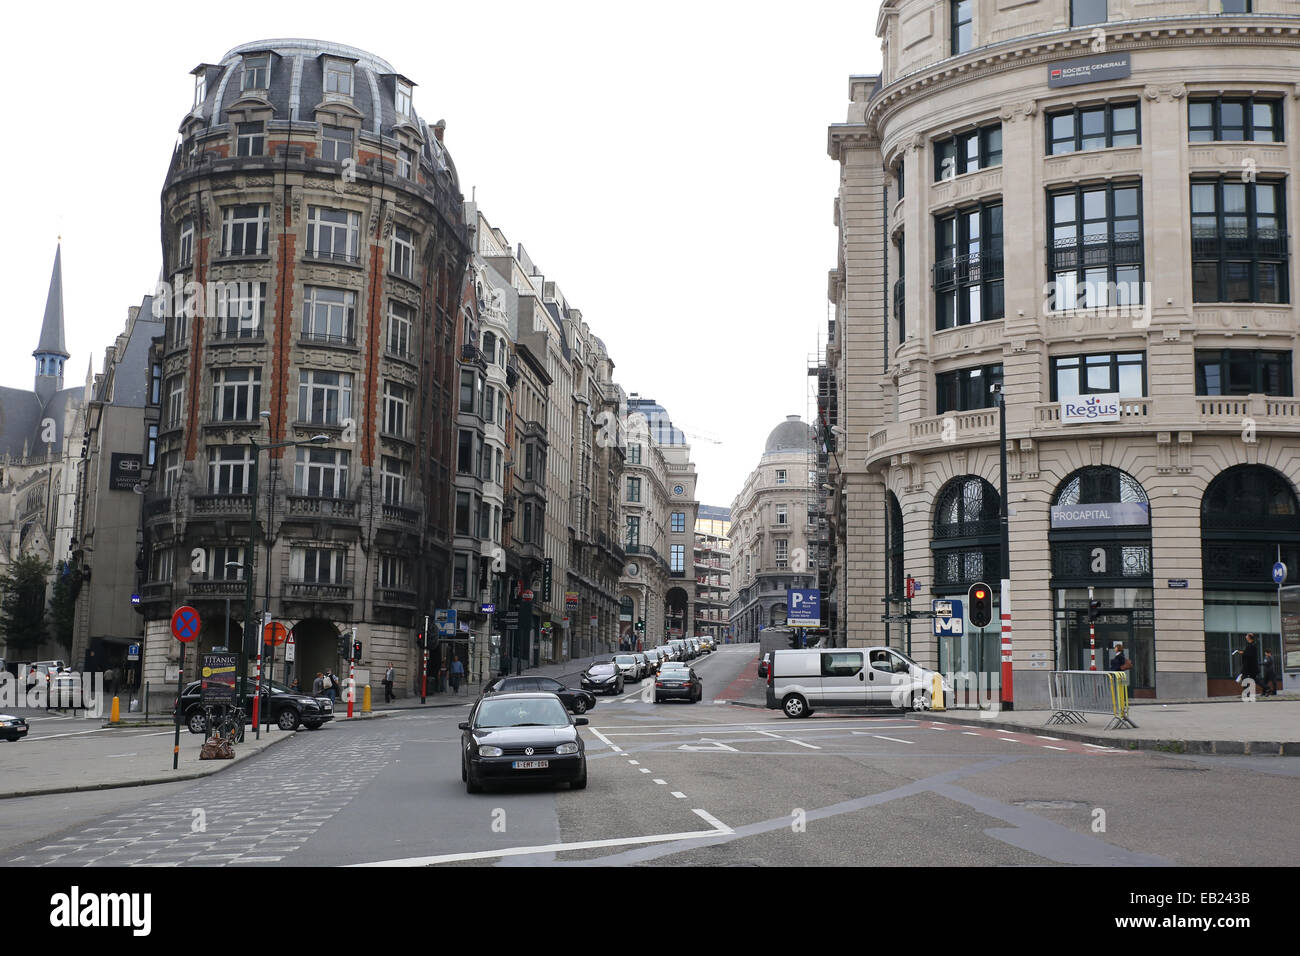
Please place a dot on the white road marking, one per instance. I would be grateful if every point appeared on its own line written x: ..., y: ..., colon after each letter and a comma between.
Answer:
x: 719, y: 829
x: 645, y: 769
x: 603, y: 739
x: 617, y: 749
x: 1045, y: 737
x: 633, y: 762
x: 714, y: 745
x: 789, y: 740
x: 894, y: 739
x: 971, y: 733
x: 1011, y: 739
x: 1097, y: 746
x: 679, y: 795
x: 1050, y: 747
x: 662, y: 783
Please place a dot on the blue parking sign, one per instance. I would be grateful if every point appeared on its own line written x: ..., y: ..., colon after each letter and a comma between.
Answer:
x: 804, y: 607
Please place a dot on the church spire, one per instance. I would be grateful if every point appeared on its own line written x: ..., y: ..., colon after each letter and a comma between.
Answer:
x: 50, y: 352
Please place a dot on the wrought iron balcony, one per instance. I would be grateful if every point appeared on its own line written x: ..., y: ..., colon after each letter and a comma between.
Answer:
x: 966, y: 270
x: 1107, y: 249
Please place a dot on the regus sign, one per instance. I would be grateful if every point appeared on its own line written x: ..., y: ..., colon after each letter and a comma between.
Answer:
x: 1090, y: 408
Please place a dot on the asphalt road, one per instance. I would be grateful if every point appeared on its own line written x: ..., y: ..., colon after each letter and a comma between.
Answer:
x: 706, y: 783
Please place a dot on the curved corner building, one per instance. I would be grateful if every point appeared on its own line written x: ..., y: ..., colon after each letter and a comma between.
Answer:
x: 314, y: 258
x: 1087, y: 203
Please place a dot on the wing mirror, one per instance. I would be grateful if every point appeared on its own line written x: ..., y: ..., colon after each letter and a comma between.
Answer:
x: 463, y: 725
x: 580, y: 721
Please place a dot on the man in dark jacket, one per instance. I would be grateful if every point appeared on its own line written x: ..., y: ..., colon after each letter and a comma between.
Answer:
x: 1250, y: 659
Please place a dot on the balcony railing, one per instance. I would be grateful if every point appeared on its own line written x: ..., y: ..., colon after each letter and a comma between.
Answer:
x: 399, y: 514
x: 218, y: 589
x: 1212, y: 242
x: 222, y: 504
x: 308, y: 506
x: 325, y: 255
x: 305, y: 591
x: 398, y: 597
x: 155, y: 591
x: 970, y: 269
x: 312, y: 337
x: 1109, y: 249
x: 155, y: 507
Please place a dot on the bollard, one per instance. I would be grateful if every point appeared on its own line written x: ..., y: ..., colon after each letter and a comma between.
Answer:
x: 936, y: 694
x: 365, y: 700
x: 115, y: 715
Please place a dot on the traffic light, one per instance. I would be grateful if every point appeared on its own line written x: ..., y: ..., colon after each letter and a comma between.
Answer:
x: 356, y: 650
x: 419, y: 639
x: 1094, y: 609
x: 343, y: 646
x: 980, y: 599
x: 640, y: 624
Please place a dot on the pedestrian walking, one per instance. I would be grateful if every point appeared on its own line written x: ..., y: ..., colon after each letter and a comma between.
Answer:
x: 442, y: 678
x: 1119, y: 662
x: 318, y: 685
x: 331, y: 685
x: 457, y: 673
x: 1270, y: 675
x: 388, y: 684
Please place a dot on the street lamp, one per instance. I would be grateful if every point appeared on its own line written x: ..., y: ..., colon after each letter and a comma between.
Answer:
x: 251, y: 567
x: 1004, y: 597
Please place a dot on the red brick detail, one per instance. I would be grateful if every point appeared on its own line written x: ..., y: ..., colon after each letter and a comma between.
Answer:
x: 374, y: 327
x: 196, y: 353
x: 282, y: 338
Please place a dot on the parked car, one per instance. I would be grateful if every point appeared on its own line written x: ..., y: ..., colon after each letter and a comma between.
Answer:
x: 12, y: 727
x: 764, y: 665
x: 678, y: 683
x: 289, y: 708
x: 603, y: 678
x: 575, y: 701
x: 802, y: 681
x: 522, y: 737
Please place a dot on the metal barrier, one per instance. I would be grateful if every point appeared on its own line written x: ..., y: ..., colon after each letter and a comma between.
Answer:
x: 1075, y: 693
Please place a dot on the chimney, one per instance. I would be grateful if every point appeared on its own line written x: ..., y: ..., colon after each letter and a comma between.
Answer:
x: 439, y: 128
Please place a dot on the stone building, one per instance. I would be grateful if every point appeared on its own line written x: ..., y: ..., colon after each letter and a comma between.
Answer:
x: 769, y: 532
x: 1137, y: 165
x: 713, y: 572
x: 41, y: 446
x: 318, y: 221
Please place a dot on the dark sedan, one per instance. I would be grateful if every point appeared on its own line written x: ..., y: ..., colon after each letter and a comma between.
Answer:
x: 522, y: 737
x: 12, y: 728
x: 603, y: 678
x: 289, y: 708
x: 575, y: 701
x: 678, y: 683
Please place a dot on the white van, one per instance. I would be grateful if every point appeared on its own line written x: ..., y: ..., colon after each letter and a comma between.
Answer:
x: 803, y: 681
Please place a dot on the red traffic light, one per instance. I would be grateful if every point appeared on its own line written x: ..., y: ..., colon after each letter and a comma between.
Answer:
x: 981, y: 594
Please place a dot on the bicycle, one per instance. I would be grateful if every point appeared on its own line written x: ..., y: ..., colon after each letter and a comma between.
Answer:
x: 229, y: 727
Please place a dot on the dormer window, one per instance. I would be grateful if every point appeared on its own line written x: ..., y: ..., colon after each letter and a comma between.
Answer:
x: 338, y: 77
x: 200, y: 89
x: 250, y: 139
x: 403, y: 103
x: 257, y: 72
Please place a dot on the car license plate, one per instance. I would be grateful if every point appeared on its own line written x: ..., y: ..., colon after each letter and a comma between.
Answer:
x: 530, y: 764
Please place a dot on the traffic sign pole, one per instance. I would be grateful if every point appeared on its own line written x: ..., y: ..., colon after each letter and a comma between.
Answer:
x: 1004, y: 609
x: 185, y: 628
x: 180, y: 689
x: 257, y: 696
x: 424, y: 671
x: 352, y: 671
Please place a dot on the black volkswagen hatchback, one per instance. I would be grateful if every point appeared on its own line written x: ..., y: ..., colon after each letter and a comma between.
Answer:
x: 522, y: 737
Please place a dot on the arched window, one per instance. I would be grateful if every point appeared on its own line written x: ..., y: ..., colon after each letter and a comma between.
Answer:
x: 1099, y: 484
x: 966, y: 539
x: 1102, y: 546
x: 1247, y: 514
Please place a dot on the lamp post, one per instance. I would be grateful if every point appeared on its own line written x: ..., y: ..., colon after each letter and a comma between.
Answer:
x: 1004, y: 597
x: 255, y: 449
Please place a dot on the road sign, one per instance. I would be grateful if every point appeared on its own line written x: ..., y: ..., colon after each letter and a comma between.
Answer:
x: 948, y: 618
x: 185, y: 624
x: 289, y: 648
x: 133, y: 652
x: 135, y: 600
x: 274, y: 633
x: 528, y: 594
x: 487, y: 608
x: 804, y: 607
x: 1279, y: 574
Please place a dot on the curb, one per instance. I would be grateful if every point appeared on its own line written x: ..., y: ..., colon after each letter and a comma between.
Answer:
x: 1165, y: 745
x: 144, y: 782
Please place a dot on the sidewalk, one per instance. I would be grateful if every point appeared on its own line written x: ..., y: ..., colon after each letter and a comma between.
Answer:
x: 1215, y: 726
x: 105, y: 761
x: 1220, y: 725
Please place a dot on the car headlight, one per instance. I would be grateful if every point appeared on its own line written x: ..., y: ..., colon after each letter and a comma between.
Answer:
x: 489, y: 751
x: 567, y: 749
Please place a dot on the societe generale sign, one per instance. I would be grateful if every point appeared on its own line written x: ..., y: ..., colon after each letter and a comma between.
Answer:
x: 1090, y: 408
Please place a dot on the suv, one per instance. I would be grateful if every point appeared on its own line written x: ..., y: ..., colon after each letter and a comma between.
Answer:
x: 289, y: 708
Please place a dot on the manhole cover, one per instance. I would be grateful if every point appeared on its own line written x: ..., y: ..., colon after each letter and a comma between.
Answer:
x: 1051, y: 804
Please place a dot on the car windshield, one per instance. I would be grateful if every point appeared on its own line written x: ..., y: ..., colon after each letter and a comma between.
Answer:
x: 625, y: 659
x: 904, y: 657
x: 599, y: 669
x: 522, y: 712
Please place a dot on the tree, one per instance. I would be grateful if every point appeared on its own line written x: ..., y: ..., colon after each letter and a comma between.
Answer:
x: 22, y: 612
x: 63, y: 605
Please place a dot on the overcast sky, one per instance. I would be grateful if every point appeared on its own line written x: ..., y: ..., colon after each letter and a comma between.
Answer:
x: 665, y: 164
